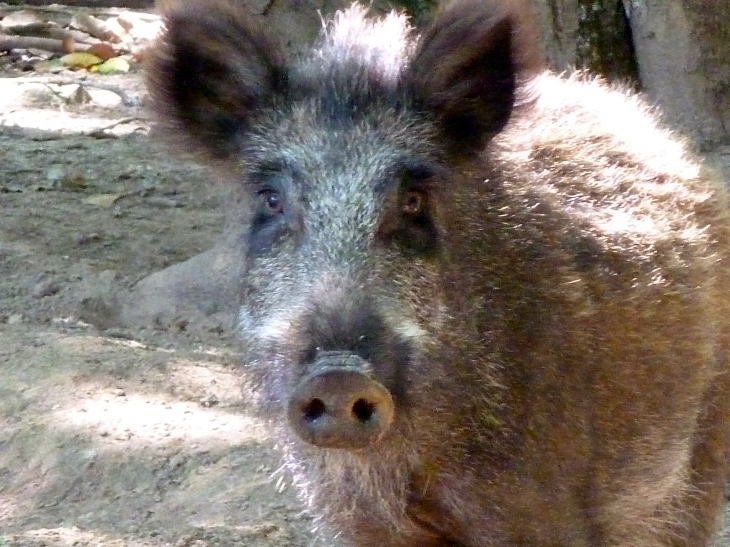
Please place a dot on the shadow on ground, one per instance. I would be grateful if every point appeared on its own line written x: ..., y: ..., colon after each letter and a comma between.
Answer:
x: 106, y: 440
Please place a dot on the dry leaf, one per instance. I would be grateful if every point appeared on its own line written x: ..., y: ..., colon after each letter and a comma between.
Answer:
x: 112, y: 66
x: 80, y: 59
x: 52, y: 66
x: 103, y: 50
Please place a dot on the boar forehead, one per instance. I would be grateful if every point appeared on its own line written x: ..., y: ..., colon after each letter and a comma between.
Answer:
x: 346, y: 113
x: 339, y: 167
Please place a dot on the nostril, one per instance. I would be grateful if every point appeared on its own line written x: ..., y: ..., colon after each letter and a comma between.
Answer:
x: 363, y: 410
x: 314, y: 410
x: 340, y: 407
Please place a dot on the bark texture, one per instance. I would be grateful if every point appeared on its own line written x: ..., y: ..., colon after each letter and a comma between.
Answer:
x: 588, y: 34
x: 677, y: 51
x: 683, y: 49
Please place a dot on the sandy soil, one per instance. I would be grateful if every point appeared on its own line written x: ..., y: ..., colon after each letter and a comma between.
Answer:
x: 116, y: 437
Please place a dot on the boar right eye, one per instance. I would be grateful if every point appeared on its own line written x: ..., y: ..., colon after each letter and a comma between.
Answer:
x: 270, y: 202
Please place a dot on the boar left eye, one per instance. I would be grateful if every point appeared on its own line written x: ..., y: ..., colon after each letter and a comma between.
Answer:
x: 269, y: 221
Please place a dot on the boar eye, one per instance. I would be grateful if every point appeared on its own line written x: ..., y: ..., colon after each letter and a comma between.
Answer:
x: 413, y: 229
x: 269, y: 221
x: 413, y: 203
x: 270, y: 202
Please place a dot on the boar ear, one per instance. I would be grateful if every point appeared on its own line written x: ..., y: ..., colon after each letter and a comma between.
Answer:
x: 469, y: 65
x: 212, y: 69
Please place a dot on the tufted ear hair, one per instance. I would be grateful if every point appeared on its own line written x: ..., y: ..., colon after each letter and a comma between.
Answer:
x: 212, y: 69
x: 469, y: 65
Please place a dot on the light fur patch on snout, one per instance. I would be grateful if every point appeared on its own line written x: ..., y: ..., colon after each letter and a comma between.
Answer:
x: 410, y: 330
x: 269, y: 329
x: 403, y: 326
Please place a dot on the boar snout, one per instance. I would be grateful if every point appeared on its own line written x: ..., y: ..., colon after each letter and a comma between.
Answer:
x: 339, y: 405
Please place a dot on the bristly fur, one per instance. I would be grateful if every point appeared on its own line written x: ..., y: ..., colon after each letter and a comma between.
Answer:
x: 472, y: 66
x: 358, y: 63
x: 543, y: 290
x: 213, y: 88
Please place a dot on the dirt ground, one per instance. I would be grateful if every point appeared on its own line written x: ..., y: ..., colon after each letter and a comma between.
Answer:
x: 117, y: 437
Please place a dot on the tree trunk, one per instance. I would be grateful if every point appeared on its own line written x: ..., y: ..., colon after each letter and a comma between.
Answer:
x: 683, y: 49
x: 588, y: 34
x: 676, y: 51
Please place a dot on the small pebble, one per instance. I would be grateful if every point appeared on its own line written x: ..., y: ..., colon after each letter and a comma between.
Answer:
x: 119, y: 333
x: 164, y: 203
x: 84, y: 239
x: 15, y: 319
x: 209, y: 400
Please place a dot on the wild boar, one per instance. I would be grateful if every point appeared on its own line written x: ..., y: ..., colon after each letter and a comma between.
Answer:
x: 482, y: 304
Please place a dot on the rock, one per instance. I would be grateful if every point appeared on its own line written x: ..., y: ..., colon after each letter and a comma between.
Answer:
x: 45, y: 287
